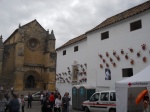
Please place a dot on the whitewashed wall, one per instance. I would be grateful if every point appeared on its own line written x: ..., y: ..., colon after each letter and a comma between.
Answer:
x: 120, y: 37
x: 65, y: 61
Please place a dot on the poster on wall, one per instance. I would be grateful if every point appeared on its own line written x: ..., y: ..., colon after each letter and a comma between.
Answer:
x: 107, y: 74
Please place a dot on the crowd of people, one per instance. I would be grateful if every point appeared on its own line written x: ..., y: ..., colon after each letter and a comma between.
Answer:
x: 53, y: 102
x: 15, y: 103
x: 50, y: 102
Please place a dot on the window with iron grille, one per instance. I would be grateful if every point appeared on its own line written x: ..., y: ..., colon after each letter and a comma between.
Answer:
x: 135, y: 25
x: 104, y: 35
x: 64, y: 52
x: 75, y: 48
x: 127, y: 72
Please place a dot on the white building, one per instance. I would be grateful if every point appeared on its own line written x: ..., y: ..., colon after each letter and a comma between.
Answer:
x: 120, y: 46
x: 71, y: 64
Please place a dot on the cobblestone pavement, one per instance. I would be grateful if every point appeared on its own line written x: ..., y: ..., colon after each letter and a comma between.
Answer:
x: 36, y: 107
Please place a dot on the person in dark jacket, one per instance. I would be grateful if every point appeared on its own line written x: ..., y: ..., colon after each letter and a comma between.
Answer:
x: 14, y: 104
x: 68, y: 100
x: 46, y: 107
x: 7, y: 97
x: 65, y: 103
x: 23, y: 103
x: 3, y: 102
x: 29, y: 100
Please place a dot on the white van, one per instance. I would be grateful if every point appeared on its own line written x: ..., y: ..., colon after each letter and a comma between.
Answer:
x: 104, y: 101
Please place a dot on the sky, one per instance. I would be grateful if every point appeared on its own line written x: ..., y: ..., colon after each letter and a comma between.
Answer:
x: 67, y: 18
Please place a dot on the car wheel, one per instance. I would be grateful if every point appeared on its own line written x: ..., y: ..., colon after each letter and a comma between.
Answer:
x: 86, y: 109
x: 112, y: 110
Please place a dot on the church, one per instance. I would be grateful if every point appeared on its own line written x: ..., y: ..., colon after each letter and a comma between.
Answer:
x: 117, y: 48
x: 28, y: 58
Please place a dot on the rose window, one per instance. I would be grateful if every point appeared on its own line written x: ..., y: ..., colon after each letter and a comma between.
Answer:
x: 33, y: 44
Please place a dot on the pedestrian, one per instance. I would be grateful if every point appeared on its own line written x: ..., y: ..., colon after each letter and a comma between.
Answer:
x: 146, y: 104
x: 48, y: 93
x: 29, y: 100
x: 1, y: 89
x: 20, y: 103
x: 41, y: 98
x: 46, y: 107
x: 64, y: 103
x: 8, y: 99
x: 3, y: 102
x: 68, y: 102
x: 44, y: 97
x: 23, y: 103
x: 58, y: 103
x: 56, y: 94
x: 7, y: 91
x: 12, y: 90
x: 14, y: 104
x: 52, y: 100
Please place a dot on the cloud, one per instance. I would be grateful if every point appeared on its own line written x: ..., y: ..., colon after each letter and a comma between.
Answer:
x: 68, y: 18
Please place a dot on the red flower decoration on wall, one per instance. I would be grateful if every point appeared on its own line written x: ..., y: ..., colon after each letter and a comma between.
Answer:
x: 131, y: 50
x: 107, y: 54
x: 111, y: 59
x: 132, y: 61
x: 138, y: 54
x: 114, y: 64
x: 144, y: 46
x: 114, y: 53
x: 101, y: 66
x: 144, y: 59
x: 118, y: 58
x: 107, y: 65
x: 104, y: 60
x: 122, y: 52
x: 126, y: 56
x: 100, y: 56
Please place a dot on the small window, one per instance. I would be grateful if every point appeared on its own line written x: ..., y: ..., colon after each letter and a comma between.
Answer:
x: 95, y: 97
x: 104, y: 35
x: 105, y: 96
x: 127, y: 72
x: 75, y: 48
x: 135, y: 25
x: 64, y: 52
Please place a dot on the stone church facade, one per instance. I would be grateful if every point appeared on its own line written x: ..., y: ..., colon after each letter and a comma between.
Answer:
x: 28, y: 58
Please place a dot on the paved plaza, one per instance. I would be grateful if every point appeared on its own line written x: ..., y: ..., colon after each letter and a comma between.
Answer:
x: 36, y: 107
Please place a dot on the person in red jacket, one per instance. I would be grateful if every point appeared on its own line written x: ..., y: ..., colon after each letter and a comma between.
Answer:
x: 52, y: 100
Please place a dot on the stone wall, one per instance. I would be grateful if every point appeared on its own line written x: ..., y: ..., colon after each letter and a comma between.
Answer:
x: 30, y: 50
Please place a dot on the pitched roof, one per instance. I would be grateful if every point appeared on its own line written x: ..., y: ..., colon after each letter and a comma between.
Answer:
x: 21, y: 27
x: 121, y: 16
x: 116, y: 18
x: 74, y: 40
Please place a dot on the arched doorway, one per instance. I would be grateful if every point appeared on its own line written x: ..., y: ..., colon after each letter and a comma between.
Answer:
x: 30, y: 82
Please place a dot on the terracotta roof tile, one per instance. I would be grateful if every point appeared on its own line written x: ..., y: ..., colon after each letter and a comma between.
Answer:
x: 121, y: 16
x: 116, y: 18
x: 74, y: 40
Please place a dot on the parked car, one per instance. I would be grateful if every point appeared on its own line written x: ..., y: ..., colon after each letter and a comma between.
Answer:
x: 35, y: 96
x: 104, y: 101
